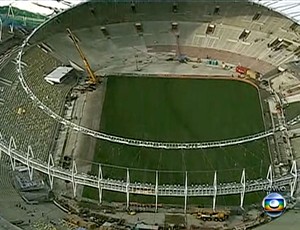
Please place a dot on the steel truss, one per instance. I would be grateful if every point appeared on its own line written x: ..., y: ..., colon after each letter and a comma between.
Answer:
x: 130, y: 187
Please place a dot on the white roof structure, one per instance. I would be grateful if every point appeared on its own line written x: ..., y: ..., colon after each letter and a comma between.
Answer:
x: 289, y: 8
x: 57, y: 75
x: 45, y: 7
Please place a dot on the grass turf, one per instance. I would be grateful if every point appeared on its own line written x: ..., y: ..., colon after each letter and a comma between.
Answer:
x: 182, y: 110
x: 292, y: 110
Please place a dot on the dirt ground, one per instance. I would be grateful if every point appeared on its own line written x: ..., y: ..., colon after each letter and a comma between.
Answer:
x: 87, y: 112
x: 226, y: 56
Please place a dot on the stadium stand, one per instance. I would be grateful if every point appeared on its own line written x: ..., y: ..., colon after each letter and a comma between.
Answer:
x: 19, y: 117
x: 228, y: 27
x: 40, y: 64
x: 23, y: 120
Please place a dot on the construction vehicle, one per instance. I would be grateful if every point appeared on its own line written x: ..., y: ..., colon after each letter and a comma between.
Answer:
x: 252, y: 74
x: 21, y: 111
x: 241, y: 69
x: 247, y: 72
x: 208, y: 215
x: 131, y: 213
x: 92, y: 78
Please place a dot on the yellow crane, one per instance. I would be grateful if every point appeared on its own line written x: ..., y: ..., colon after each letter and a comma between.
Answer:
x: 92, y: 78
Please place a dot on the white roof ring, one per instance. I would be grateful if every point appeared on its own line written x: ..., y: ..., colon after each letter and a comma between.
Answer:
x: 288, y: 8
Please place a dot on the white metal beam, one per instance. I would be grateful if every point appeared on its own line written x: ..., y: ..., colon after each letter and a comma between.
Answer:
x: 185, y: 192
x: 215, y: 191
x: 10, y: 11
x: 74, y: 173
x: 29, y: 156
x: 127, y: 189
x: 243, y: 183
x: 100, y: 178
x: 156, y: 190
x: 270, y: 177
x: 12, y: 145
x: 50, y: 172
x: 294, y: 173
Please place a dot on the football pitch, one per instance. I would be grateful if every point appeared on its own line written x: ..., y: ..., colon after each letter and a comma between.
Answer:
x: 181, y: 110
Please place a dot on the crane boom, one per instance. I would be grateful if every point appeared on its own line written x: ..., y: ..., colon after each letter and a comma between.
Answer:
x: 92, y: 77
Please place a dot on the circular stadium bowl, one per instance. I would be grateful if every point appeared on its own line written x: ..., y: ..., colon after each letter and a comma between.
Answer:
x: 151, y: 99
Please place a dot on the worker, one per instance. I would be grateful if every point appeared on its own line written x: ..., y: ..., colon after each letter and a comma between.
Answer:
x: 175, y: 7
x: 92, y: 9
x: 133, y: 7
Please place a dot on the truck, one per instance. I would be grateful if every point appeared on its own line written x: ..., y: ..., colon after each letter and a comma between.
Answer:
x: 207, y: 215
x: 247, y: 72
x: 241, y: 69
x: 252, y: 74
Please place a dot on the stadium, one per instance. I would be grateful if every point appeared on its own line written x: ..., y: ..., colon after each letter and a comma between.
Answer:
x: 153, y: 107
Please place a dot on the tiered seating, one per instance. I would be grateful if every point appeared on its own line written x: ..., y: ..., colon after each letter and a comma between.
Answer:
x: 38, y: 67
x: 202, y: 12
x: 224, y: 38
x: 30, y: 127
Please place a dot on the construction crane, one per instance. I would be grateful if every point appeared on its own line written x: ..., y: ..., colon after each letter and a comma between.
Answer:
x: 208, y: 215
x: 92, y: 78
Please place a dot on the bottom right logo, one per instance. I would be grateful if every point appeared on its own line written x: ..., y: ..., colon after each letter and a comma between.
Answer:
x: 274, y: 204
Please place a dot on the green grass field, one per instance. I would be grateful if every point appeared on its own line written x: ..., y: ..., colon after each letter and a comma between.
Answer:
x: 292, y: 110
x: 182, y: 110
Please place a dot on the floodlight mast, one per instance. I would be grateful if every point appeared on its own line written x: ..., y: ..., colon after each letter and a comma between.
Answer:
x: 92, y: 77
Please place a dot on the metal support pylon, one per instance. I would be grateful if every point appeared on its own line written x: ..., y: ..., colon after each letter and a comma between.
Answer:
x: 270, y: 177
x: 185, y: 192
x: 100, y: 178
x: 156, y: 190
x: 74, y: 173
x: 50, y: 172
x: 29, y: 156
x: 293, y: 184
x: 215, y: 191
x: 243, y: 183
x: 10, y: 13
x: 12, y: 145
x: 127, y: 188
